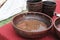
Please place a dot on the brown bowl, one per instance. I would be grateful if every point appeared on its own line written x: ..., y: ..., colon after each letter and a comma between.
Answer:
x: 56, y: 25
x: 48, y: 8
x: 34, y: 16
x: 34, y: 6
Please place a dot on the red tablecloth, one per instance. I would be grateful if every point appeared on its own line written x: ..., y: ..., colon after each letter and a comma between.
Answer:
x: 8, y: 32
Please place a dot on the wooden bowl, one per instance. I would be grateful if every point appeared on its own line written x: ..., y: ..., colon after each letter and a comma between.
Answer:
x: 34, y: 16
x: 56, y: 25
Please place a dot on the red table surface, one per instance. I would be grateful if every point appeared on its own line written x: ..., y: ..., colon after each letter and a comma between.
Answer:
x: 7, y: 32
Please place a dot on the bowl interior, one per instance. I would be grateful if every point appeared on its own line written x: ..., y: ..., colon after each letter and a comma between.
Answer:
x: 34, y: 16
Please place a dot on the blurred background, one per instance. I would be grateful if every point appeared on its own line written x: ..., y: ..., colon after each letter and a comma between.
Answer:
x: 9, y: 8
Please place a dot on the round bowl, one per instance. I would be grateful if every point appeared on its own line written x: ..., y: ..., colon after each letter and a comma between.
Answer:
x: 34, y: 6
x: 56, y: 25
x: 49, y: 8
x: 34, y: 16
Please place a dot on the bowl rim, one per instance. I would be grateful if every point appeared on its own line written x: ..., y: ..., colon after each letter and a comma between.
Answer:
x: 33, y: 12
x: 55, y: 22
x: 35, y: 2
x: 51, y: 2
